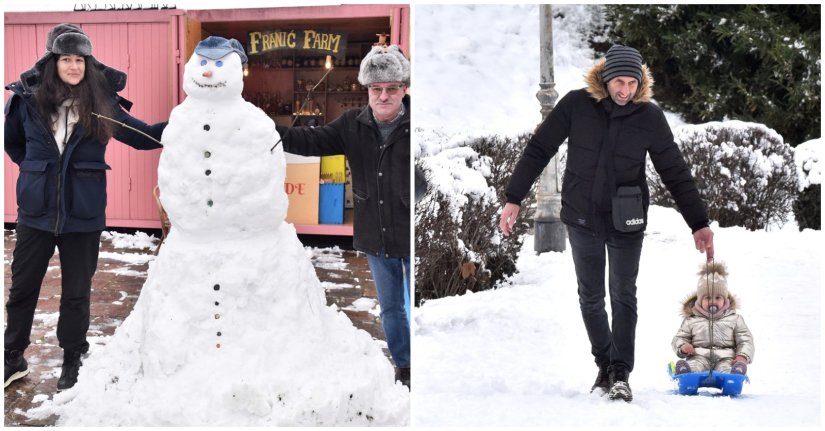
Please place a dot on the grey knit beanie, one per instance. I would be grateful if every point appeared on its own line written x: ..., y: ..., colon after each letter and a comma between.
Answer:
x: 622, y: 61
x: 384, y: 64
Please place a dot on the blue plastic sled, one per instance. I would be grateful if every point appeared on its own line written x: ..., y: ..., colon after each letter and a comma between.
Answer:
x: 689, y: 383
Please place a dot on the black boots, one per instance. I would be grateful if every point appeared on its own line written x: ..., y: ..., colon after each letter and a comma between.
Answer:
x: 71, y: 366
x: 602, y: 381
x: 619, y: 388
x: 403, y: 375
x: 15, y: 366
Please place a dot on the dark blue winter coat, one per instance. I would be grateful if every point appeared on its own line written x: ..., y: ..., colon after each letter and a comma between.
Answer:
x: 63, y: 193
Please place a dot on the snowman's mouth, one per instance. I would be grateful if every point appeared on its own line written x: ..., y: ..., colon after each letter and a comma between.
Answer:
x: 217, y: 85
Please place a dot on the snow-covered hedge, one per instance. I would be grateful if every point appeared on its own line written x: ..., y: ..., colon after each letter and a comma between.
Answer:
x: 458, y: 246
x: 744, y: 171
x: 807, y: 208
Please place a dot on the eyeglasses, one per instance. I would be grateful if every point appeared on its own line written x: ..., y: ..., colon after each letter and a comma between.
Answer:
x: 391, y: 90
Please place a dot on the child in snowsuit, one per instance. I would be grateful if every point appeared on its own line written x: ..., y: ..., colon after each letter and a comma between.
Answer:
x: 730, y: 348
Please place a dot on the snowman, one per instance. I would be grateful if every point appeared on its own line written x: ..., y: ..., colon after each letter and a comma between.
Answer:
x: 232, y: 326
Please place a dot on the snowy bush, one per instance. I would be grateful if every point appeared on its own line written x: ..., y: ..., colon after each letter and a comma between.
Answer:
x: 458, y: 246
x: 744, y: 171
x: 807, y: 208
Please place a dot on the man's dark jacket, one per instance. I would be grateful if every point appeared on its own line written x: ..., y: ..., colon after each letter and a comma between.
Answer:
x: 64, y: 193
x: 380, y: 175
x: 594, y: 126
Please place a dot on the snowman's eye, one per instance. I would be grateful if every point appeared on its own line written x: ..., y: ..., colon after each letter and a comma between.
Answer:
x: 203, y: 62
x: 219, y: 63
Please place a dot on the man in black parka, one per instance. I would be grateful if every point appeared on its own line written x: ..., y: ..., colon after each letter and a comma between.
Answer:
x: 376, y: 141
x: 611, y: 125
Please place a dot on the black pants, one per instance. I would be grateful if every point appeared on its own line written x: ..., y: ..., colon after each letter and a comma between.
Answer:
x: 78, y: 262
x: 623, y: 252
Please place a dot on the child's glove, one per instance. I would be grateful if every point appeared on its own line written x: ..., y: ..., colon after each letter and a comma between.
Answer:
x: 739, y: 368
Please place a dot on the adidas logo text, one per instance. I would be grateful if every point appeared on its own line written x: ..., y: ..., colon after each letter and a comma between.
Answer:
x: 634, y: 222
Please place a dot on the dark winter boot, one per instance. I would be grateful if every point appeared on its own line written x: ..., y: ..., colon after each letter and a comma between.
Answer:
x: 71, y: 366
x: 682, y: 367
x: 403, y: 375
x: 739, y: 368
x: 602, y: 381
x: 619, y: 388
x: 15, y: 366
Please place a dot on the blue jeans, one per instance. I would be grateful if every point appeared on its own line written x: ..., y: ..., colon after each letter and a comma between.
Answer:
x: 624, y: 250
x: 389, y: 275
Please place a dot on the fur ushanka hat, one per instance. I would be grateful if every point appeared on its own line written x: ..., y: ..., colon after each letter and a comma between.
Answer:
x: 65, y: 39
x: 384, y: 64
x: 69, y: 39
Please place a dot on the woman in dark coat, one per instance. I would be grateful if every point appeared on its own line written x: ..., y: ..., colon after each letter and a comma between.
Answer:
x: 59, y: 119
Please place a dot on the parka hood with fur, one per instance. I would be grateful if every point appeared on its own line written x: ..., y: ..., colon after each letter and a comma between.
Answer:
x: 598, y: 88
x: 690, y: 301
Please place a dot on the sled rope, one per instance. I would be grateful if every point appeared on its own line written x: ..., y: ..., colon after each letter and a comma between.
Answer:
x: 126, y: 126
x: 711, y: 282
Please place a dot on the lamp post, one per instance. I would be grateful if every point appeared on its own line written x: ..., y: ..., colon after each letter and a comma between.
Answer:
x: 550, y: 233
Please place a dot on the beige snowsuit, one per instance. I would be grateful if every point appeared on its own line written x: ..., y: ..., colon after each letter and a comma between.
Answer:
x: 731, y: 337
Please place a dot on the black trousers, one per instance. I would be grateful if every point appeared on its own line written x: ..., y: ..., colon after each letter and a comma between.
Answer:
x: 78, y: 262
x: 624, y: 250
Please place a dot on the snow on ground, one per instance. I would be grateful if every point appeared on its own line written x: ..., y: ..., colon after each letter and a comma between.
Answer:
x: 335, y: 286
x: 138, y: 240
x: 466, y: 53
x: 130, y: 258
x: 519, y: 355
x: 125, y: 272
x: 362, y: 304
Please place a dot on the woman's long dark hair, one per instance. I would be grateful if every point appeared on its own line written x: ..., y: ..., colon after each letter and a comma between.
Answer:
x: 92, y: 94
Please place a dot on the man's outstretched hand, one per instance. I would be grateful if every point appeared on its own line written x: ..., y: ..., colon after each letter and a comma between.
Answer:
x: 703, y: 238
x: 508, y: 218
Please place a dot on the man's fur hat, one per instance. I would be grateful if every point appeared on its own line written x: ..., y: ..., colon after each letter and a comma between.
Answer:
x: 384, y: 64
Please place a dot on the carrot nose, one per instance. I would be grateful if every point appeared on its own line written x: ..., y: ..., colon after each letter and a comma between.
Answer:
x: 207, y: 73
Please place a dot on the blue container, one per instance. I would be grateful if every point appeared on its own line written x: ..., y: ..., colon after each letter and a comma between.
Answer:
x: 331, y: 204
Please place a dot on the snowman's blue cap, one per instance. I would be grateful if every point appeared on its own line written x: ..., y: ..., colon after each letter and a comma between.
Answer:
x: 215, y: 47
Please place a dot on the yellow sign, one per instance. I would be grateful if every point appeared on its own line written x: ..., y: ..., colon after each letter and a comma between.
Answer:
x: 323, y: 41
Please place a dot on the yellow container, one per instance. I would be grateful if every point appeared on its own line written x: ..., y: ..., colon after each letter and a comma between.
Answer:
x: 333, y: 169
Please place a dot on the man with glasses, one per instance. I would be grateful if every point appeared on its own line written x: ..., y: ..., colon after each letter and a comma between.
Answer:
x: 376, y: 141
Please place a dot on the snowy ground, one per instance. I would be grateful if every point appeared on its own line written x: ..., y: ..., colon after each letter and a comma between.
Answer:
x: 519, y: 355
x: 122, y: 271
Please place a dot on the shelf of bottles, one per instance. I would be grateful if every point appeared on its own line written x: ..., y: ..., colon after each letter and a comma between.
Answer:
x: 311, y: 104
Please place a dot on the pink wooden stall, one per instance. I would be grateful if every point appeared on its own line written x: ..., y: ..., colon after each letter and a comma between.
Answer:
x: 151, y: 46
